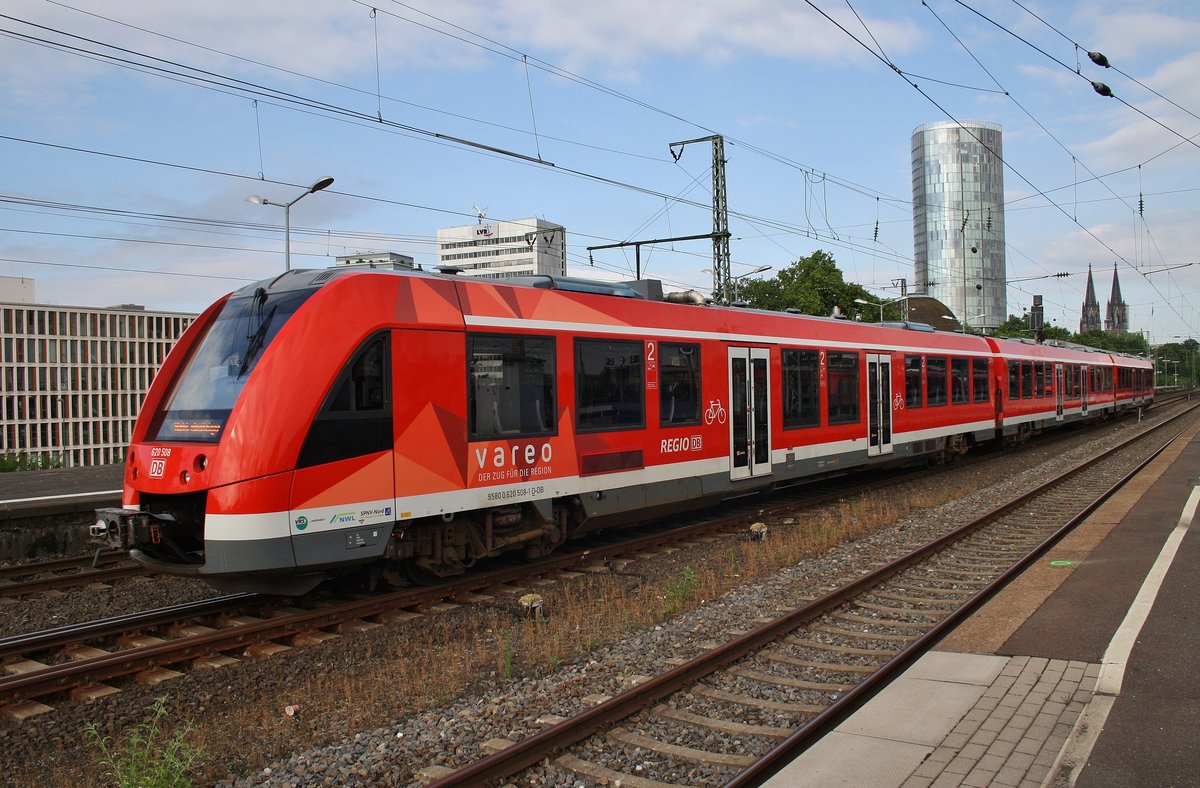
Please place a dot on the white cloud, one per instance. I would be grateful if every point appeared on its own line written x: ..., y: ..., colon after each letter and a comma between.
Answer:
x: 1123, y: 34
x: 617, y: 35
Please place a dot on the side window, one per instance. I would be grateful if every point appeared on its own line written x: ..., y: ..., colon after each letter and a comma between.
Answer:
x: 510, y: 385
x: 935, y: 380
x: 679, y: 384
x: 610, y: 389
x: 356, y: 417
x: 801, y: 389
x: 1026, y: 379
x: 1014, y: 380
x: 843, y: 387
x: 912, y: 382
x: 1039, y: 378
x: 980, y: 387
x: 960, y: 380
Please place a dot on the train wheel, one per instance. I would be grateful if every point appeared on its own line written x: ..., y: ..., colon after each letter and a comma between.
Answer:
x: 420, y: 575
x: 431, y: 575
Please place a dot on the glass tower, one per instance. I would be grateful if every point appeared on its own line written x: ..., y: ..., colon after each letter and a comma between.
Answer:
x: 958, y: 219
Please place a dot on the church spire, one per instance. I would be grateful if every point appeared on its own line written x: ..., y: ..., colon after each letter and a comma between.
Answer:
x: 1116, y: 314
x: 1091, y: 308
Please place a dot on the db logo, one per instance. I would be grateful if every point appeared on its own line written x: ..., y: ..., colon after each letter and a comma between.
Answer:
x: 158, y: 469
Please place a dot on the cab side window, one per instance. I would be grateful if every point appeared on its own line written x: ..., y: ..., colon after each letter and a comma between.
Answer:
x: 356, y: 417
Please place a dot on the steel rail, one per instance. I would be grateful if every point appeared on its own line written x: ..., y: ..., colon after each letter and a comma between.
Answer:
x: 61, y: 564
x: 23, y: 587
x: 46, y: 639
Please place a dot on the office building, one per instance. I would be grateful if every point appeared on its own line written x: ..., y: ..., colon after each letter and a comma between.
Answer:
x: 958, y: 219
x: 505, y: 248
x: 73, y: 378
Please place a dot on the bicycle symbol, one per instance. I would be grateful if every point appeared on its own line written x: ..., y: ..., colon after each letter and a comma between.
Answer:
x: 715, y: 412
x: 898, y: 402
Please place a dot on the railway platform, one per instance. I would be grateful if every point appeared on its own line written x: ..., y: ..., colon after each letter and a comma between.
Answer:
x: 40, y: 493
x: 1082, y: 672
x: 48, y: 512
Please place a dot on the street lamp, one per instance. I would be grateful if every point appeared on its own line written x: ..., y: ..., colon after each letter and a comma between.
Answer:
x: 734, y: 279
x: 318, y: 185
x: 972, y: 320
x: 881, y: 305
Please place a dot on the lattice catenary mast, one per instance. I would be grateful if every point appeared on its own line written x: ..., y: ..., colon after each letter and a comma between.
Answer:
x: 722, y: 282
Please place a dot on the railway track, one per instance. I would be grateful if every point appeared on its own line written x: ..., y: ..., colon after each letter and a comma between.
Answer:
x: 738, y: 712
x: 94, y: 658
x: 32, y: 577
x: 79, y: 661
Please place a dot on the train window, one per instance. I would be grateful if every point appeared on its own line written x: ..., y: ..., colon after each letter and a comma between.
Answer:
x: 979, y: 380
x: 609, y: 385
x: 912, y: 382
x: 843, y: 387
x: 1014, y: 380
x: 801, y: 389
x: 1039, y: 378
x: 1026, y: 379
x: 356, y: 417
x: 679, y: 384
x: 1049, y: 380
x: 935, y: 380
x: 960, y: 380
x: 510, y: 385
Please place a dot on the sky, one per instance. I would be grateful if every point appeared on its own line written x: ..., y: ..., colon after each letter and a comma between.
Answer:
x: 132, y: 131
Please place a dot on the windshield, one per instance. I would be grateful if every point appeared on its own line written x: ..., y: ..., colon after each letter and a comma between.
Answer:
x: 213, y: 377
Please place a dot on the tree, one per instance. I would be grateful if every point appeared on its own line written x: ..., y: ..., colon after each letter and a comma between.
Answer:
x: 1017, y: 326
x: 1181, y: 358
x: 813, y: 285
x: 1116, y: 341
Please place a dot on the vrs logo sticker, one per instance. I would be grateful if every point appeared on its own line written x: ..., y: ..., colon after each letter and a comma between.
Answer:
x: 158, y: 469
x: 301, y: 523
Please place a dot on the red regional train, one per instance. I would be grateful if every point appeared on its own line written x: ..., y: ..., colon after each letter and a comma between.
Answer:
x: 413, y: 423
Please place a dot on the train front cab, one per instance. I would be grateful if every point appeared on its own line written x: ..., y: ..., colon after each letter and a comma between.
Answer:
x: 265, y: 446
